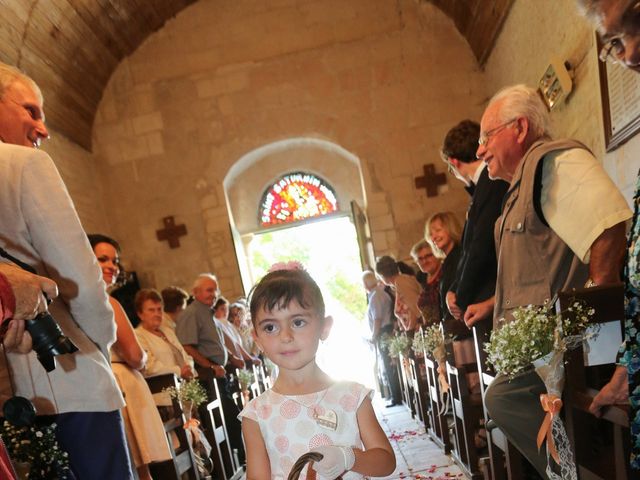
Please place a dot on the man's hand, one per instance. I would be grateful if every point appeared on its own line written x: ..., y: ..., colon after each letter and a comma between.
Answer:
x: 256, y: 361
x: 236, y: 362
x: 615, y: 392
x: 16, y: 338
x: 453, y: 306
x: 478, y: 312
x: 218, y: 371
x: 186, y: 372
x: 28, y: 290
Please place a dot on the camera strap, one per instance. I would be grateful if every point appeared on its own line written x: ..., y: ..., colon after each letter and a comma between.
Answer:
x: 20, y: 263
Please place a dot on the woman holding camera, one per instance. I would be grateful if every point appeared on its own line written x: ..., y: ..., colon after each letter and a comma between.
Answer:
x: 143, y: 425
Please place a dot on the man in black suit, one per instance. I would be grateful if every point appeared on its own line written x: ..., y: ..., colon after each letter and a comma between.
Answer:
x: 470, y: 298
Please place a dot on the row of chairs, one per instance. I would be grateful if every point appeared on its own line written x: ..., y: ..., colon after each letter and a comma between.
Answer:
x: 183, y: 464
x: 601, y: 445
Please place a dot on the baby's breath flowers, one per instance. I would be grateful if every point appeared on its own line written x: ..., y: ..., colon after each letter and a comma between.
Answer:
x: 37, y: 446
x: 534, y: 333
x: 245, y: 377
x: 189, y: 391
x: 397, y: 345
x: 430, y: 340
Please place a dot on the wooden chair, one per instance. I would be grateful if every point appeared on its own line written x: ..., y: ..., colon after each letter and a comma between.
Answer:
x: 504, y: 461
x: 405, y: 382
x: 601, y: 445
x: 467, y: 411
x: 437, y: 427
x: 182, y: 457
x: 226, y: 465
x: 420, y: 387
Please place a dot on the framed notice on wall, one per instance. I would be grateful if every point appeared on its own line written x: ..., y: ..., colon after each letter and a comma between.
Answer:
x: 620, y: 91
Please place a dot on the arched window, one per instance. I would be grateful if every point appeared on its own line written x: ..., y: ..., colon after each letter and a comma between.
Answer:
x: 296, y: 196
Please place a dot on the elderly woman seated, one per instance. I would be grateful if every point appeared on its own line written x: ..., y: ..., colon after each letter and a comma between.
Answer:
x: 164, y: 351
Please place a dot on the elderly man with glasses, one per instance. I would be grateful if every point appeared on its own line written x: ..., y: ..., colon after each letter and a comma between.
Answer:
x: 561, y: 227
x: 618, y: 23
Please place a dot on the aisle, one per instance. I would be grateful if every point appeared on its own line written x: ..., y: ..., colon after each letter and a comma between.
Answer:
x: 417, y: 457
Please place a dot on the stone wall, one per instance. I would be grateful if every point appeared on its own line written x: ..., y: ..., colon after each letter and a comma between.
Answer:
x: 382, y: 80
x: 535, y: 31
x: 81, y: 175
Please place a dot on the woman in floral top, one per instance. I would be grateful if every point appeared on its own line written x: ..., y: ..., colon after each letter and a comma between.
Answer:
x: 625, y: 383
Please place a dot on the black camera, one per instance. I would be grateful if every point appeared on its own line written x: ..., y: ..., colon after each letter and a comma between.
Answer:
x: 48, y: 340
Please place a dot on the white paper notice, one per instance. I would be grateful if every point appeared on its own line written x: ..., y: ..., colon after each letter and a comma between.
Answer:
x: 604, y: 348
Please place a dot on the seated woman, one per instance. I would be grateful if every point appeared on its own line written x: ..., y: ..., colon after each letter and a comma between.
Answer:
x: 407, y: 290
x: 144, y: 428
x: 165, y: 354
x: 232, y: 337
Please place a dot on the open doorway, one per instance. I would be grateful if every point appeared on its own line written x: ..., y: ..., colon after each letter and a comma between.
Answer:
x: 328, y: 248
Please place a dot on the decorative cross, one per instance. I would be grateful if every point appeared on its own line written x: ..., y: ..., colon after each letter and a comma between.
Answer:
x: 431, y: 180
x: 171, y: 232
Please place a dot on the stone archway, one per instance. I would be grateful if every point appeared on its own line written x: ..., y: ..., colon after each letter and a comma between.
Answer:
x: 247, y: 179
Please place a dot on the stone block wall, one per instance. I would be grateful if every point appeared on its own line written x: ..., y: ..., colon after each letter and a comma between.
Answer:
x: 536, y: 30
x: 383, y: 80
x: 78, y: 169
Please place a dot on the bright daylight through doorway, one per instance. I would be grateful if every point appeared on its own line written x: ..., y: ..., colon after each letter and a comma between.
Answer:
x: 329, y: 251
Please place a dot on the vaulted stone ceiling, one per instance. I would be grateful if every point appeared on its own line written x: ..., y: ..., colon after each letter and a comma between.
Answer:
x: 71, y: 47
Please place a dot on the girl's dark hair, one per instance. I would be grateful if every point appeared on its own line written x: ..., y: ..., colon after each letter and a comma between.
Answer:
x: 96, y: 238
x: 279, y: 288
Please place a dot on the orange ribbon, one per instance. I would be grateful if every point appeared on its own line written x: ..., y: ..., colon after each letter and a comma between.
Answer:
x: 552, y: 404
x: 191, y: 424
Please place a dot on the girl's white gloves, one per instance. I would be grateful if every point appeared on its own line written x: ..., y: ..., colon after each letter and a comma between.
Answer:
x: 335, y: 461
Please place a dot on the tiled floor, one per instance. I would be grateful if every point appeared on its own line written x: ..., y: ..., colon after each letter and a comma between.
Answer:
x: 417, y: 457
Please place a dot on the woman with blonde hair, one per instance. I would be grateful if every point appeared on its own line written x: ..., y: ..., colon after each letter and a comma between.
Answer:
x: 443, y: 231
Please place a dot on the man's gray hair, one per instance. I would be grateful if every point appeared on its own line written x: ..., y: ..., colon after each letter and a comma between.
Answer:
x: 9, y: 75
x: 523, y: 101
x: 369, y: 279
x: 592, y: 10
x: 204, y: 276
x: 421, y: 245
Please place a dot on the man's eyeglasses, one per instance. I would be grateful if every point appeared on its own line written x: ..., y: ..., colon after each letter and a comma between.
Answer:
x: 614, y: 47
x: 485, y: 136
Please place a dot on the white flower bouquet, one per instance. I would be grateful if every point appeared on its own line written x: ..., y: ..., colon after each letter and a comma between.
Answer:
x: 540, y: 338
x: 534, y: 333
x: 245, y: 378
x: 36, y: 445
x: 398, y: 345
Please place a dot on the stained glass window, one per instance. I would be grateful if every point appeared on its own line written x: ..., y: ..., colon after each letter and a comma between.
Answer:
x: 296, y: 196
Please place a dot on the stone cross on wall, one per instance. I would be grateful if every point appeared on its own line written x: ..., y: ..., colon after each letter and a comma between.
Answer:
x: 431, y: 180
x: 171, y: 232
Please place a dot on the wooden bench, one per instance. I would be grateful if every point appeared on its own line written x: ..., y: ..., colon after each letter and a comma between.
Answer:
x: 226, y: 465
x: 404, y: 374
x: 420, y: 387
x: 601, y: 445
x: 504, y: 461
x: 467, y: 411
x: 437, y: 426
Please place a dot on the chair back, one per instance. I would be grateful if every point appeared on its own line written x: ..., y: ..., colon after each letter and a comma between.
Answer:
x: 601, y: 445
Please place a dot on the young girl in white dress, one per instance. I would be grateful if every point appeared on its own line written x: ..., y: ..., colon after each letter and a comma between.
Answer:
x: 306, y: 410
